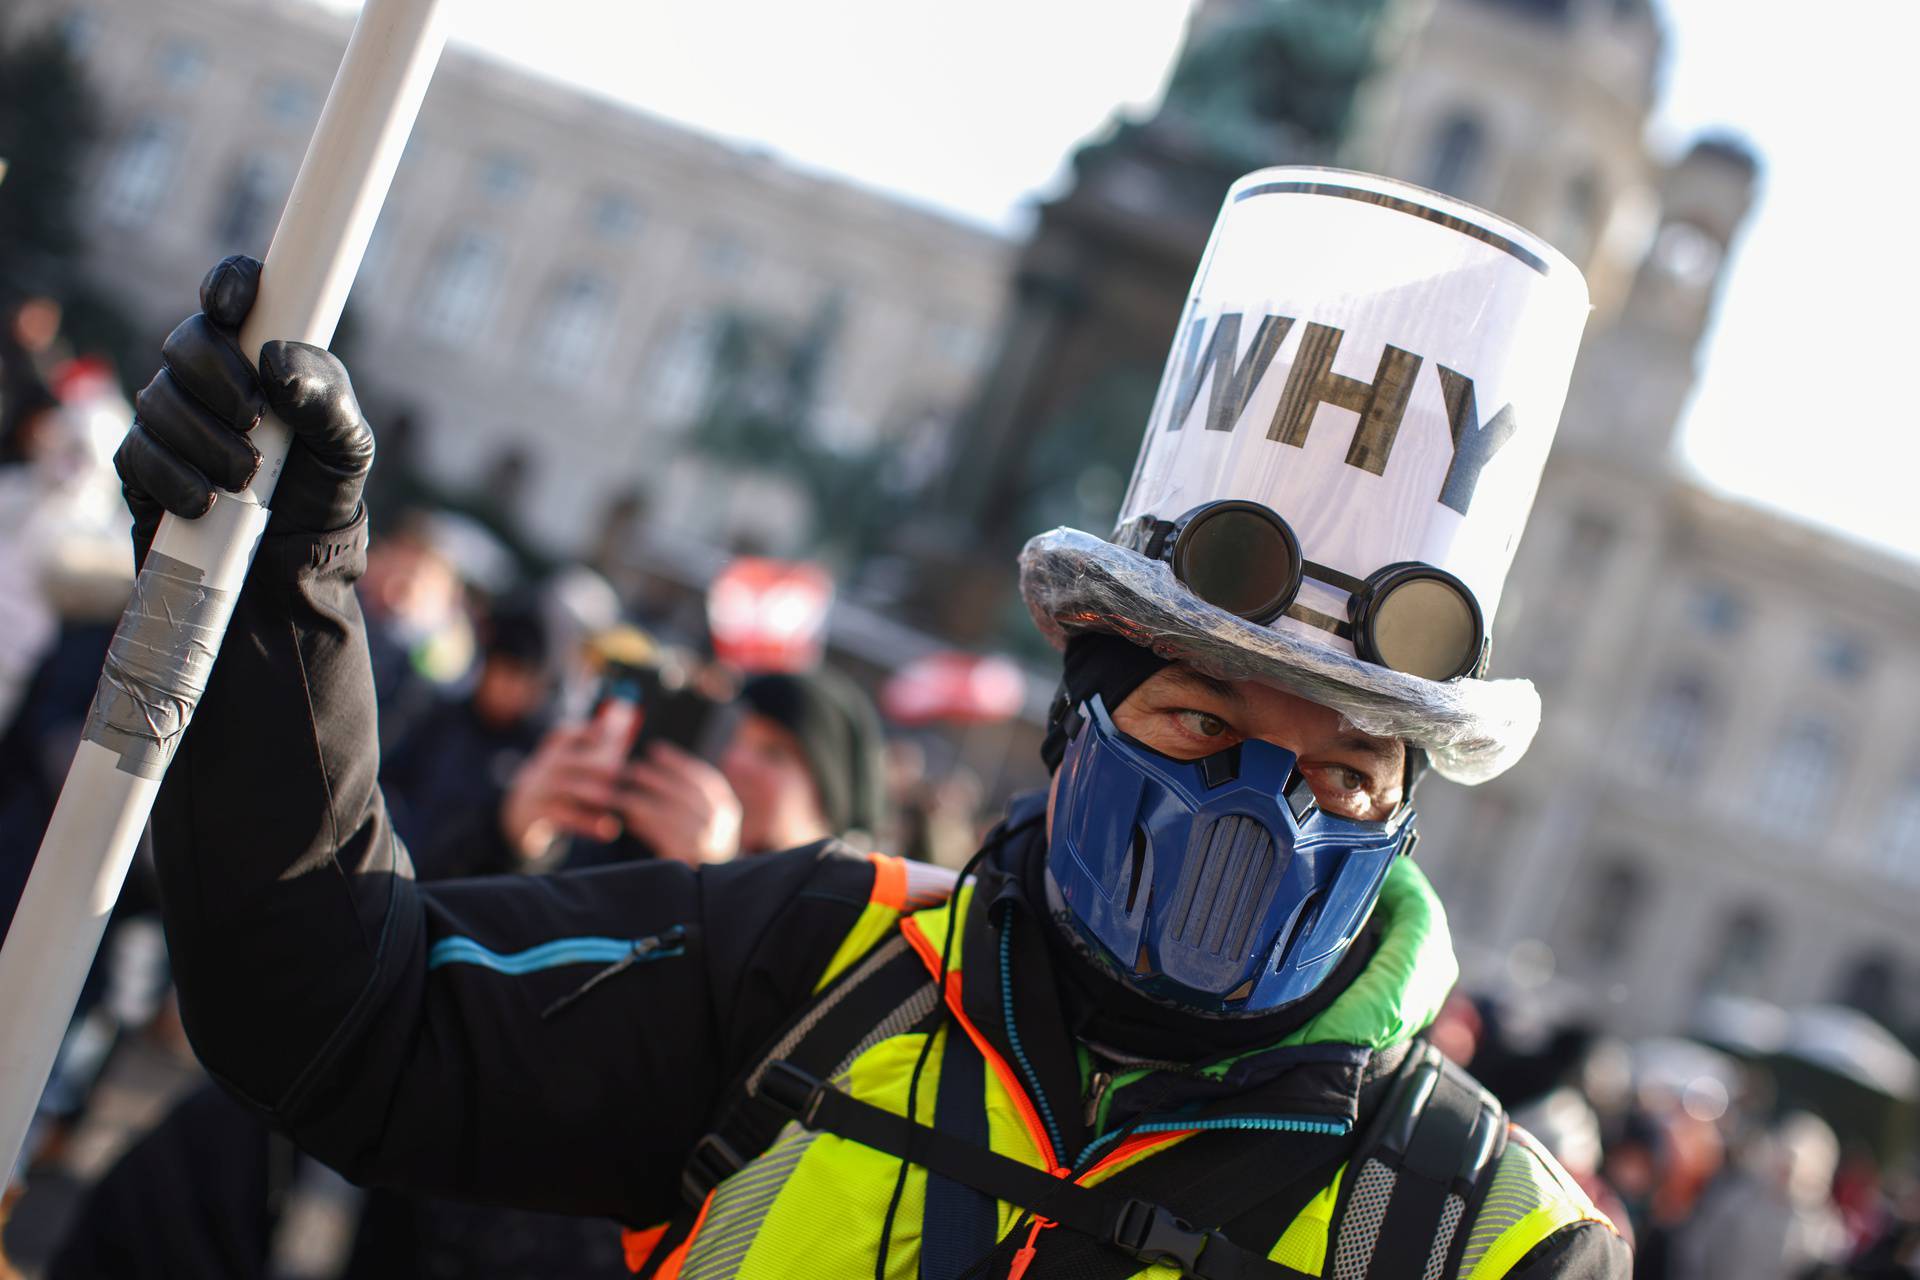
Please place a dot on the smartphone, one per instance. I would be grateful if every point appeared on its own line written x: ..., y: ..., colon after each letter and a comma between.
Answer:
x: 672, y: 709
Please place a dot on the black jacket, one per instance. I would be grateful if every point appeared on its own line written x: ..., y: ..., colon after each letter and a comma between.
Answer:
x: 306, y: 956
x: 556, y: 1042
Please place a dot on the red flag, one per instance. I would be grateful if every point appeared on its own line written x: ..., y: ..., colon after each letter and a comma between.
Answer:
x: 958, y: 688
x: 769, y: 615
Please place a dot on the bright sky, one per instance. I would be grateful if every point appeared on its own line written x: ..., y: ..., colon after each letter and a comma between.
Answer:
x: 972, y: 108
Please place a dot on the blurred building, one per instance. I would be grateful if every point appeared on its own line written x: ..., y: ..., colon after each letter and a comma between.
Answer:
x: 548, y: 283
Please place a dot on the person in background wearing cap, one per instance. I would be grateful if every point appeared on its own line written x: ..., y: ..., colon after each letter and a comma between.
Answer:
x: 807, y: 761
x: 1170, y: 1020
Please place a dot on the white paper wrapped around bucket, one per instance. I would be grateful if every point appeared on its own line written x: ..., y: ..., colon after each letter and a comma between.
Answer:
x: 1381, y: 365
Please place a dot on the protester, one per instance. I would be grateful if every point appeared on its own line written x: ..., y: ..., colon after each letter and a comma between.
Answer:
x: 1893, y: 1253
x: 446, y: 779
x: 807, y: 762
x: 1772, y: 1217
x: 419, y: 634
x: 1191, y: 976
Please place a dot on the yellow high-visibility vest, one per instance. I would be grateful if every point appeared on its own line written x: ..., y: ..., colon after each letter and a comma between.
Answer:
x: 813, y: 1204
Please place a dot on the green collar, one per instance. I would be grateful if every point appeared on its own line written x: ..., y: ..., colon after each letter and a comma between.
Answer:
x: 1403, y: 987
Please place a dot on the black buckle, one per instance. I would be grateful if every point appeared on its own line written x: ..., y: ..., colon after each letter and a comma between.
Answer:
x: 792, y: 1091
x: 712, y: 1161
x: 1152, y: 1234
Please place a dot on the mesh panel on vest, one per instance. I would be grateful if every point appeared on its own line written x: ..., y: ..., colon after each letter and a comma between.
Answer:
x: 1520, y: 1185
x: 1366, y: 1208
x: 741, y: 1203
x: 903, y: 1019
x: 822, y: 1007
x: 740, y: 1206
x: 1443, y: 1238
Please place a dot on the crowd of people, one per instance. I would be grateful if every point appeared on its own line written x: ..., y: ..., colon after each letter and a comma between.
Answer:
x: 516, y: 740
x: 1695, y: 1155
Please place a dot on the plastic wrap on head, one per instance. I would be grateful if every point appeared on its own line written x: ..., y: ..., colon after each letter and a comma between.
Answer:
x: 1473, y: 729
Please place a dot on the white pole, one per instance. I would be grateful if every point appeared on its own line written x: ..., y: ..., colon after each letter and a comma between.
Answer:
x: 172, y: 629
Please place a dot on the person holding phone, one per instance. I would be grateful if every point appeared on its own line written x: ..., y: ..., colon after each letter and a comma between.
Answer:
x: 795, y: 759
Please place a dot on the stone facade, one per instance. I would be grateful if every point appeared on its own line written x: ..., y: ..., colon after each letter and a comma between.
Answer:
x: 550, y: 269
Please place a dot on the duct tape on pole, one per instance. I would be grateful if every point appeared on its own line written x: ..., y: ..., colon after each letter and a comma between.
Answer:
x: 167, y: 640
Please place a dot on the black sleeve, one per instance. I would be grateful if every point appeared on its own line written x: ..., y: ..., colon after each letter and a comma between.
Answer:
x: 422, y: 1036
x: 1583, y: 1251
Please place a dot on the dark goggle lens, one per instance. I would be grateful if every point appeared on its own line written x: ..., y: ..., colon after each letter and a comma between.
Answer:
x: 1426, y: 627
x: 1239, y: 561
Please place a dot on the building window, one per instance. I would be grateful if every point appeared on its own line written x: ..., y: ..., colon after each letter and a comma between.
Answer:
x: 78, y: 30
x: 683, y: 370
x: 1718, y: 610
x: 1871, y: 984
x: 614, y: 216
x: 459, y: 291
x: 1609, y: 912
x: 573, y: 327
x: 960, y: 345
x: 1579, y: 217
x: 183, y: 64
x: 1686, y: 255
x: 254, y: 194
x: 1796, y: 784
x: 1676, y: 728
x: 1898, y: 853
x: 1459, y: 147
x: 289, y: 102
x: 1738, y: 965
x: 1844, y: 656
x: 1589, y: 540
x: 505, y: 178
x: 723, y: 256
x: 138, y: 175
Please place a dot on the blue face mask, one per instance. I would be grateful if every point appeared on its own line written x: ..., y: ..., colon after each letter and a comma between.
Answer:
x: 1216, y: 883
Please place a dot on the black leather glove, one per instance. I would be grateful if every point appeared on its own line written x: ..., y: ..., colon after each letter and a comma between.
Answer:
x: 190, y: 424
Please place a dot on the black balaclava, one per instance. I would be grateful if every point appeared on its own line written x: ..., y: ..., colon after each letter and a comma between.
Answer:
x: 839, y: 735
x: 1096, y: 662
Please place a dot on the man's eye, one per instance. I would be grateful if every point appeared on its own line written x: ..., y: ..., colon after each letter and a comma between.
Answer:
x: 1200, y: 724
x: 1341, y: 778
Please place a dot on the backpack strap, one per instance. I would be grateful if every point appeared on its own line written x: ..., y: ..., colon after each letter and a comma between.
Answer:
x: 1424, y: 1164
x: 1147, y: 1233
x: 883, y: 995
x: 960, y: 1224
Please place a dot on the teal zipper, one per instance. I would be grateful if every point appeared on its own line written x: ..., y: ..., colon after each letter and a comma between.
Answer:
x: 556, y: 954
x: 1253, y: 1124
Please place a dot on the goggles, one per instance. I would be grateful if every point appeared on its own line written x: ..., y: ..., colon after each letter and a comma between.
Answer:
x: 1242, y: 557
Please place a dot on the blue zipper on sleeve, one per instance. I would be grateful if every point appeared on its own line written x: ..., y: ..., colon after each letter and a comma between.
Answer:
x: 614, y: 955
x: 558, y: 953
